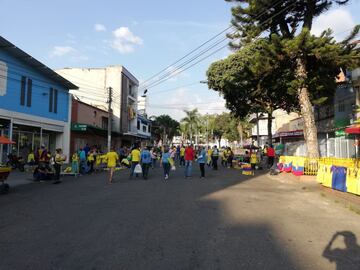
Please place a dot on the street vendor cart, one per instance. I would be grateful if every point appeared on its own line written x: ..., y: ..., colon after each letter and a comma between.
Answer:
x: 4, y: 170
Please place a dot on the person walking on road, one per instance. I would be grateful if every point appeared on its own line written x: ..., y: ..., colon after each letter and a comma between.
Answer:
x: 182, y: 156
x: 154, y: 157
x: 271, y: 156
x: 111, y: 158
x: 209, y: 152
x: 165, y: 162
x: 202, y: 160
x: 253, y: 161
x: 135, y: 159
x: 189, y: 157
x: 58, y: 161
x: 215, y: 157
x: 145, y: 162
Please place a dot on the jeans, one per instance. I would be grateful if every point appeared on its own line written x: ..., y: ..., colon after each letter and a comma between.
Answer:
x: 202, y: 169
x: 214, y: 162
x: 188, y: 168
x: 133, y: 165
x: 57, y: 168
x: 153, y: 164
x: 167, y: 168
x: 145, y: 170
x: 182, y: 161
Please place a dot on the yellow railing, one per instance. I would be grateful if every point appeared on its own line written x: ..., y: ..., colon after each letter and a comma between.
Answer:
x: 322, y: 169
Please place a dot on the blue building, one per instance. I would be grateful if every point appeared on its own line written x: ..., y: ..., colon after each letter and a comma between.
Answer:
x: 35, y: 103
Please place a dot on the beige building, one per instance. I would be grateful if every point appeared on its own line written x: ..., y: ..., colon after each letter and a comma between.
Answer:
x: 94, y: 84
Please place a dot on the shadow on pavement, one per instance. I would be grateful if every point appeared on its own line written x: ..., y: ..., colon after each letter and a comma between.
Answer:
x: 345, y: 258
x: 86, y: 224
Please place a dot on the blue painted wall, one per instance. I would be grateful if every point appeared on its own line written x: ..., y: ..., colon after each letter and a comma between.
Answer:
x: 40, y: 90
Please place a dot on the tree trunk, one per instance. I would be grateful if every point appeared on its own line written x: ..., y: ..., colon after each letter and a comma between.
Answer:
x: 269, y: 127
x: 310, y: 130
x: 220, y: 141
x: 241, y: 133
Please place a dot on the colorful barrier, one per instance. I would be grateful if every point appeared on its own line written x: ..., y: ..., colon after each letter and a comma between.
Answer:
x: 342, y: 174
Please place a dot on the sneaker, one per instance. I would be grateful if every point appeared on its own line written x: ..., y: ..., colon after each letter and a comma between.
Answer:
x: 166, y: 177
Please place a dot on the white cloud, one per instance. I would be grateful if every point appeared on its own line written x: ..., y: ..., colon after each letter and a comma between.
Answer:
x: 70, y: 53
x: 59, y: 51
x: 98, y: 27
x: 124, y: 40
x: 338, y: 20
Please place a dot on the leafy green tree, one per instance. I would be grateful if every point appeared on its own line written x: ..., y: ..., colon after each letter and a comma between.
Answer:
x: 165, y: 128
x: 255, y: 79
x: 316, y: 60
x: 191, y: 122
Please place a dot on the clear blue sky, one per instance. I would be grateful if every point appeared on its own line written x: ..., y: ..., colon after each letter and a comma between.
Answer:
x: 150, y: 36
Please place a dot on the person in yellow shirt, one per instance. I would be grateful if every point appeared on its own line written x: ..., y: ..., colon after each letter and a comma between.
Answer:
x: 75, y: 163
x: 31, y: 158
x: 209, y: 153
x: 135, y: 159
x: 111, y: 158
x: 182, y: 156
x: 91, y: 160
x: 253, y: 161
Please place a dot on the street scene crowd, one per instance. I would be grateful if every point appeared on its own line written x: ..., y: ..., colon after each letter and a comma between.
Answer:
x: 139, y: 160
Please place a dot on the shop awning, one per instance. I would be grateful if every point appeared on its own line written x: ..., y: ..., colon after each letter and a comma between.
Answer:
x: 5, y: 140
x: 353, y: 130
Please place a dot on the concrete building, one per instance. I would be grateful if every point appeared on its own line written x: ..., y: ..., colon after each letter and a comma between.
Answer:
x: 280, y: 122
x: 89, y: 124
x: 94, y: 84
x: 35, y: 103
x: 144, y: 129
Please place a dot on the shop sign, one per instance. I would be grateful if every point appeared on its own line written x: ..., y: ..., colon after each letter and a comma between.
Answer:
x: 79, y: 127
x: 295, y: 133
x: 340, y: 133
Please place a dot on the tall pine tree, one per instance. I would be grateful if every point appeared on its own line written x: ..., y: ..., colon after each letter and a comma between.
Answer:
x: 292, y: 21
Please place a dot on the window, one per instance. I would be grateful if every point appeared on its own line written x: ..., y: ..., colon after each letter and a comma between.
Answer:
x: 104, y: 122
x: 341, y: 106
x: 53, y: 99
x: 3, y: 78
x: 22, y: 91
x: 138, y: 125
x: 29, y: 92
x: 144, y: 128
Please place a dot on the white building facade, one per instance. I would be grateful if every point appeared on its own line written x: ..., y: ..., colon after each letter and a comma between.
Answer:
x: 94, y: 85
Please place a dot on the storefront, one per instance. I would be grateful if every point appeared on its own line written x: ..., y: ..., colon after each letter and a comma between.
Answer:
x: 29, y: 136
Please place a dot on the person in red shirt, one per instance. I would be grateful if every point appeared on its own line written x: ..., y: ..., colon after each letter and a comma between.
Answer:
x: 189, y: 157
x: 271, y: 156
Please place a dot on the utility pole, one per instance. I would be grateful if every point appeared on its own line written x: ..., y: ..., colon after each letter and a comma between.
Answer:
x: 257, y: 129
x: 109, y: 118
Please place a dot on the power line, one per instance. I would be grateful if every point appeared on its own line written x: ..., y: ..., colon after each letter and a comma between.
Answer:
x: 177, y: 69
x: 186, y: 55
x: 175, y: 88
x: 177, y: 72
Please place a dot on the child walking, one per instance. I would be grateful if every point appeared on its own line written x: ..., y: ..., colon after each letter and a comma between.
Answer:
x: 165, y: 161
x: 253, y: 162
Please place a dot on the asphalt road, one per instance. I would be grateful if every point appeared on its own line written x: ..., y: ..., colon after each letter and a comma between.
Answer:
x: 227, y: 221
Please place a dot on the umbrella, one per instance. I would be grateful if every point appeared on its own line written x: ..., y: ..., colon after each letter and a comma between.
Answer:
x: 353, y: 130
x: 5, y: 140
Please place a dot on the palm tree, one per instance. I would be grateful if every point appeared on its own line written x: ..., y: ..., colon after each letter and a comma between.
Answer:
x: 191, y: 122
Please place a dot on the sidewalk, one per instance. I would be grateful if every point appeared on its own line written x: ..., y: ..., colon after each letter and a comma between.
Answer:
x: 17, y: 178
x: 348, y: 200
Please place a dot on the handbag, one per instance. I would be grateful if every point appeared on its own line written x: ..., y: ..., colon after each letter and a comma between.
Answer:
x: 173, y: 168
x: 138, y: 169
